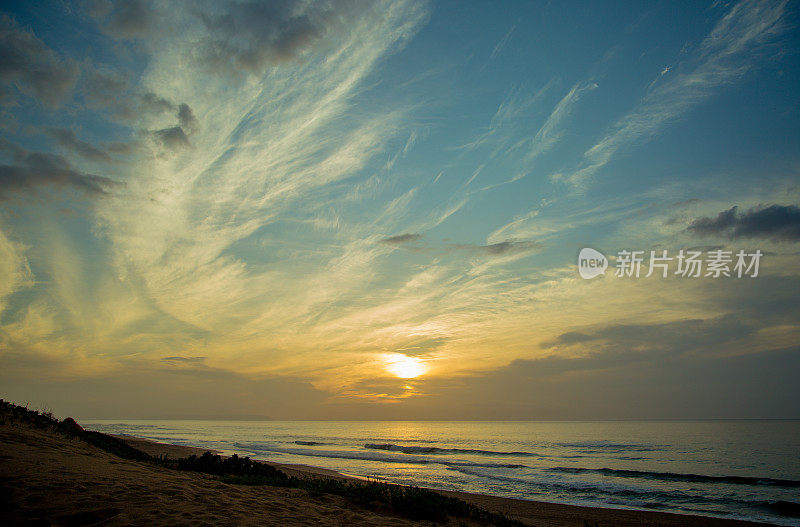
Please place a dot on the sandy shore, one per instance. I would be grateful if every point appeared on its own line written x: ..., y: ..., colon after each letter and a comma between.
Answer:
x: 46, y: 479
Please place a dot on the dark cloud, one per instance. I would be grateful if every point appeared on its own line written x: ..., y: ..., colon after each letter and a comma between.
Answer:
x: 121, y: 147
x: 401, y: 239
x: 508, y: 247
x: 677, y: 336
x: 8, y: 122
x: 494, y: 249
x: 7, y: 96
x: 250, y: 36
x: 129, y: 106
x: 152, y: 103
x: 123, y: 18
x: 568, y: 338
x: 36, y: 169
x: 613, y: 387
x: 98, y: 8
x: 68, y: 140
x: 501, y: 248
x: 32, y: 67
x: 186, y: 118
x: 101, y: 88
x: 17, y: 178
x: 173, y: 138
x: 241, y: 36
x: 776, y: 221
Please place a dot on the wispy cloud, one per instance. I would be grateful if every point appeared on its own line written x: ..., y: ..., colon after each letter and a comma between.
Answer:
x: 14, y: 267
x: 505, y: 131
x: 179, y: 359
x: 288, y: 200
x: 723, y: 57
x: 260, y: 154
x: 503, y: 41
x: 551, y: 131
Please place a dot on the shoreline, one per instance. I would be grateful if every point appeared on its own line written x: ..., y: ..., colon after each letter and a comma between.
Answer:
x: 535, y: 512
x: 156, y: 448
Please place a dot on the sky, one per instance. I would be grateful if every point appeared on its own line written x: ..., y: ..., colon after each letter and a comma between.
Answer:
x: 374, y: 210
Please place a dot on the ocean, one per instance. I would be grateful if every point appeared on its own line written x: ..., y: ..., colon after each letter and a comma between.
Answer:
x: 726, y: 468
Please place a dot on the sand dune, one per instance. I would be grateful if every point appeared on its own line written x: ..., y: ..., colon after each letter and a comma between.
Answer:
x: 57, y: 481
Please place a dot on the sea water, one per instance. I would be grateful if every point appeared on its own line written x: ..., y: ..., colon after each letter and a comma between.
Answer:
x: 726, y: 468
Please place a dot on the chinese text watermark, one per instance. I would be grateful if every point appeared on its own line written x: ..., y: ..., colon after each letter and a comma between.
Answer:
x: 686, y: 263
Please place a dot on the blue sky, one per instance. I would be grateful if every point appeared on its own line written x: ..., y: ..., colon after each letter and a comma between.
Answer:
x: 276, y: 204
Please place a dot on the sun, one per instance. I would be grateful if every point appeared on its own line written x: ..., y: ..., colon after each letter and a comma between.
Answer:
x: 404, y: 367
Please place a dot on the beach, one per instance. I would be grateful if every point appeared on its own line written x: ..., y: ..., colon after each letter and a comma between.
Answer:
x: 728, y: 469
x: 50, y: 479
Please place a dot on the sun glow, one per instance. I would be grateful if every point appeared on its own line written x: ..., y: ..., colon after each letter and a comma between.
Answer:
x: 404, y: 367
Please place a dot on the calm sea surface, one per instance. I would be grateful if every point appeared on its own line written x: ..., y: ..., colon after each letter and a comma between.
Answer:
x: 740, y: 469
